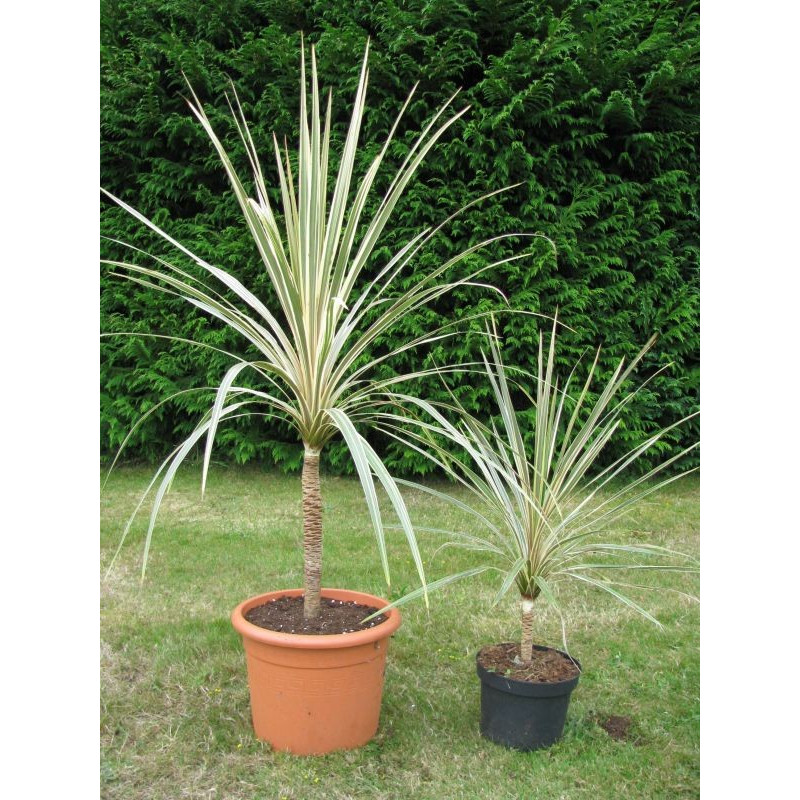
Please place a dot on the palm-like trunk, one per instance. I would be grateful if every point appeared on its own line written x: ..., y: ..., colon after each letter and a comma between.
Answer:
x: 312, y: 533
x: 526, y: 644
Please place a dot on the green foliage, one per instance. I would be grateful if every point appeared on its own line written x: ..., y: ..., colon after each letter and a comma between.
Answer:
x: 591, y: 106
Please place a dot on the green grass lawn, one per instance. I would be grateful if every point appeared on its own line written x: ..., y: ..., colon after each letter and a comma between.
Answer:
x: 175, y: 718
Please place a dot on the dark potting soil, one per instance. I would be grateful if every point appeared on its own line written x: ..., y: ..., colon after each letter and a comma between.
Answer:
x: 285, y: 614
x: 616, y: 727
x: 546, y: 666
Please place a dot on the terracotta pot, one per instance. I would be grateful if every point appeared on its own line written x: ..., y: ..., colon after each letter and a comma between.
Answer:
x: 311, y: 694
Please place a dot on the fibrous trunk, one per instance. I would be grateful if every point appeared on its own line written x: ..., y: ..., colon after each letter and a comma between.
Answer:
x: 526, y: 645
x: 312, y: 533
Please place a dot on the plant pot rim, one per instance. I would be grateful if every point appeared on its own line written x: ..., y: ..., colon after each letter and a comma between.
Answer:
x: 528, y: 688
x: 306, y: 641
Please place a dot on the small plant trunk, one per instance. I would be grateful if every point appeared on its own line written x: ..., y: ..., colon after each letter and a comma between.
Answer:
x: 526, y: 645
x: 312, y: 533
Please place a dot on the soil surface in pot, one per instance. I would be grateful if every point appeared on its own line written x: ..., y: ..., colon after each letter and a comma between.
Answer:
x: 285, y: 614
x: 546, y: 666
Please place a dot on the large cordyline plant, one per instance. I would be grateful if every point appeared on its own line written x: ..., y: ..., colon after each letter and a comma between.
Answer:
x: 314, y: 365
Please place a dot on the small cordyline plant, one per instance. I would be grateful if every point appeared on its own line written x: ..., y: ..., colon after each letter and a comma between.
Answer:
x: 542, y: 515
x: 314, y: 364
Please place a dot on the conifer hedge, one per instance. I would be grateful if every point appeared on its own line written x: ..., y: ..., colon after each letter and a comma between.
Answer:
x: 592, y: 107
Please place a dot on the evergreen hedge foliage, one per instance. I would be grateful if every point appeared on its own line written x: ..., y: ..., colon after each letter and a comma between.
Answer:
x: 593, y: 107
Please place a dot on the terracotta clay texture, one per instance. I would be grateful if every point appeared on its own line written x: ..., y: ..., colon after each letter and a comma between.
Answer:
x: 314, y: 694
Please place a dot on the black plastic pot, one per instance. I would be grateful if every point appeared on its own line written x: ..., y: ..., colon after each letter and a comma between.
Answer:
x: 524, y: 715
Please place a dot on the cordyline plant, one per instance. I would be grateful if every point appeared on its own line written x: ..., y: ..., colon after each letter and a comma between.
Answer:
x: 543, y: 515
x: 314, y: 364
